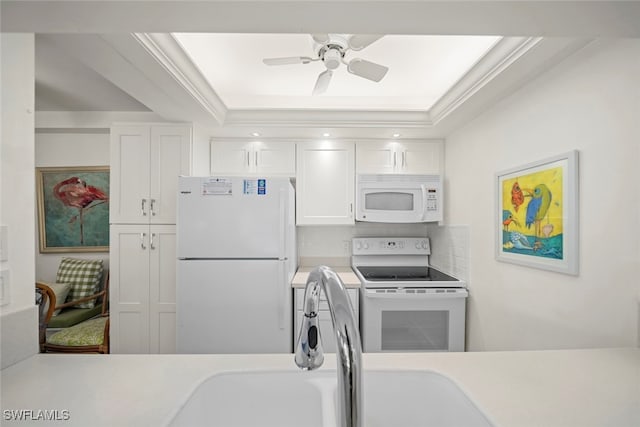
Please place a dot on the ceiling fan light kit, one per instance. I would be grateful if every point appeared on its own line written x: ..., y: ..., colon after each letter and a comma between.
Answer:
x: 332, y: 56
x: 331, y: 50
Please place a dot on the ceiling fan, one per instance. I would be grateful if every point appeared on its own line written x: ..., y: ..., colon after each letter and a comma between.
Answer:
x: 331, y: 49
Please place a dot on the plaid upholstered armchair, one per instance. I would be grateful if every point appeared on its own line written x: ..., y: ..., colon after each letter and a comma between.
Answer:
x: 74, y: 313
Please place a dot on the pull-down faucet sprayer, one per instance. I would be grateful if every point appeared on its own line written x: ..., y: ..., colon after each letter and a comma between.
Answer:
x: 309, y: 353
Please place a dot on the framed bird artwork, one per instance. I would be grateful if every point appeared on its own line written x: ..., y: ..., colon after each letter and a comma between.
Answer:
x: 537, y: 214
x: 73, y: 208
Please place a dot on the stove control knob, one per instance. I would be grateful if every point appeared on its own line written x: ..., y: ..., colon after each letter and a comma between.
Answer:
x: 358, y: 245
x: 424, y: 244
x: 417, y: 245
x: 366, y: 246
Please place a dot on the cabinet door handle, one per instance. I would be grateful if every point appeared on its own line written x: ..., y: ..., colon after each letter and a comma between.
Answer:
x: 404, y: 158
x: 142, y: 237
x: 248, y: 162
x: 255, y: 155
x: 144, y: 201
x: 152, y: 203
x: 151, y: 244
x: 395, y: 159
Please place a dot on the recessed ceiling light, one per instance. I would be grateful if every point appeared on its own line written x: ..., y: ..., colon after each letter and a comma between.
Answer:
x: 255, y: 134
x: 326, y: 134
x: 395, y: 135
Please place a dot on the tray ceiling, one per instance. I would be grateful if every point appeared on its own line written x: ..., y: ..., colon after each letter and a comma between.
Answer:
x: 421, y: 70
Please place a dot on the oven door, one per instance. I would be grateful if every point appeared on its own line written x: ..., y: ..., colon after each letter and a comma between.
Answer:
x: 412, y: 320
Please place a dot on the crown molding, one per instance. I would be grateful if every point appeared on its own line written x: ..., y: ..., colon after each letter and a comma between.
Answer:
x: 502, y: 55
x: 170, y: 54
x: 328, y: 118
x: 303, y: 139
x: 86, y: 120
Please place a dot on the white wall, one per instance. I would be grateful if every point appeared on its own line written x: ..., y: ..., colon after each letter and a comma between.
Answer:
x: 75, y: 147
x: 590, y: 102
x: 18, y: 315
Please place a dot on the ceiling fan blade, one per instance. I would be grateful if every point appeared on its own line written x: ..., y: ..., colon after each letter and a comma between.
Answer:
x: 367, y: 69
x: 360, y: 41
x: 323, y: 82
x: 320, y: 38
x: 288, y: 60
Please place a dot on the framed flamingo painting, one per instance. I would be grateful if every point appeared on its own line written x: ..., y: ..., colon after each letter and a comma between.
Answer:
x: 536, y: 215
x: 73, y: 208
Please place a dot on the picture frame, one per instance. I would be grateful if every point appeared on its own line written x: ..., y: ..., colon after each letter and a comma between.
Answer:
x: 537, y: 214
x: 73, y: 208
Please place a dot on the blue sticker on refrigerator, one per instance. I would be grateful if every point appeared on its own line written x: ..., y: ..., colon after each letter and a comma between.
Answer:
x: 254, y: 186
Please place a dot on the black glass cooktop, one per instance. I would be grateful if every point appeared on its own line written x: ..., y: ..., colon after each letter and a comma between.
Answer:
x: 404, y: 274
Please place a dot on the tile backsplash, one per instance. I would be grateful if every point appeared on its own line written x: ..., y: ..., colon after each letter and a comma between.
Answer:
x: 449, y: 244
x: 335, y: 241
x: 450, y: 250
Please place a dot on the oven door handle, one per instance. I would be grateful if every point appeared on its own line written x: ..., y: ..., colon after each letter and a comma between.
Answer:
x: 459, y: 293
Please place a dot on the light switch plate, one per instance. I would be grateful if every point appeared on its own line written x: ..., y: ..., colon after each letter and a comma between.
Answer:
x: 5, y: 294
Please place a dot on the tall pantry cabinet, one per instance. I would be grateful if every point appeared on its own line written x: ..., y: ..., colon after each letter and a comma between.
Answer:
x: 146, y: 160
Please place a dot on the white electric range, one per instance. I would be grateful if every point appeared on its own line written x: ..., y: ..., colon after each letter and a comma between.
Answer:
x: 406, y: 305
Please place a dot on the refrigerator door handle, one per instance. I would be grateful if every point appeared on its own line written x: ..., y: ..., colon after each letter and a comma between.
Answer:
x: 283, y: 217
x: 282, y: 307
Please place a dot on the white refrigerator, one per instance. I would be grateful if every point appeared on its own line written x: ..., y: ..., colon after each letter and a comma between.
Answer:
x: 236, y: 248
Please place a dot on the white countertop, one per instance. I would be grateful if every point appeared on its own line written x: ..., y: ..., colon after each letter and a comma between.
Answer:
x: 346, y: 274
x: 563, y: 388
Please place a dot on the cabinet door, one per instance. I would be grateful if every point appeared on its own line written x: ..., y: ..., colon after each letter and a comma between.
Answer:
x: 129, y: 288
x: 325, y: 183
x: 129, y: 188
x: 162, y: 290
x: 275, y: 158
x: 420, y: 157
x: 376, y: 157
x: 327, y: 333
x: 170, y: 157
x: 231, y: 158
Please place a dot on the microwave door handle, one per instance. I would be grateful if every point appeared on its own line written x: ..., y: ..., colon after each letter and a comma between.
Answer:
x: 423, y: 188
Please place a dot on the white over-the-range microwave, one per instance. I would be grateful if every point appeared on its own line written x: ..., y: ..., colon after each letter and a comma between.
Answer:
x: 399, y: 198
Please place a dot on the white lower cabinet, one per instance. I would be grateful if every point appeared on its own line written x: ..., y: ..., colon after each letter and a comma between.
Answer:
x: 142, y: 288
x: 326, y: 326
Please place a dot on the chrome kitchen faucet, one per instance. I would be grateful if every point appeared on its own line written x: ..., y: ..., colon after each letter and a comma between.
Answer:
x: 309, y: 353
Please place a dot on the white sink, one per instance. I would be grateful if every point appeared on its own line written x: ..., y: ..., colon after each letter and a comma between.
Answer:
x: 288, y: 399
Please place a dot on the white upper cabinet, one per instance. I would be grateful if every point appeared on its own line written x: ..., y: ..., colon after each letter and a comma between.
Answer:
x: 273, y: 158
x: 325, y: 182
x: 146, y: 160
x: 399, y: 157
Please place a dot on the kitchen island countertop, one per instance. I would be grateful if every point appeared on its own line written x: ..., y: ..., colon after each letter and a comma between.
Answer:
x: 552, y: 388
x: 346, y: 274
